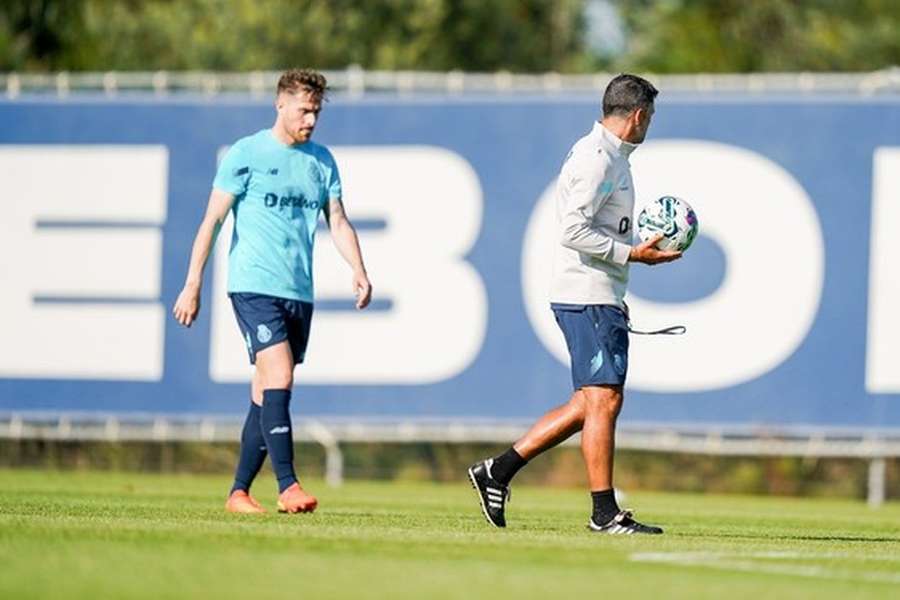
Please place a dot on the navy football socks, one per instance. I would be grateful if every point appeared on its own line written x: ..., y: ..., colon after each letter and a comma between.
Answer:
x: 253, y: 450
x: 605, y: 506
x: 506, y: 466
x: 276, y: 429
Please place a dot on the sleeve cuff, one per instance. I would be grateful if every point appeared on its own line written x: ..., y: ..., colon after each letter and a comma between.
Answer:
x: 226, y: 188
x: 620, y: 253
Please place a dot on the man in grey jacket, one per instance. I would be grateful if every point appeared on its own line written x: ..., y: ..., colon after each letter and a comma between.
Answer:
x: 595, y: 204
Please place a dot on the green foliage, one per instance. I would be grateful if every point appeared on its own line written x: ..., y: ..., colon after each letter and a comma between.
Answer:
x: 38, y: 35
x: 664, y: 36
x: 239, y: 35
x: 774, y: 35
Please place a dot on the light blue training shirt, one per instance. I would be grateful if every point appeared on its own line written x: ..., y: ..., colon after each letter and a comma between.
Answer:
x: 279, y: 192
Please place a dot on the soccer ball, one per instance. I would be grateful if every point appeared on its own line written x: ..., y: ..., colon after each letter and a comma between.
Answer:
x: 672, y: 217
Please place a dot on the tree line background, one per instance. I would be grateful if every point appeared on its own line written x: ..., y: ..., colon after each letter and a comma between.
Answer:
x: 662, y: 36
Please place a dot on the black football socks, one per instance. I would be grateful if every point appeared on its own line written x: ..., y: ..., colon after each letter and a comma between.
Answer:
x: 276, y: 429
x: 605, y: 506
x: 253, y: 450
x: 506, y: 466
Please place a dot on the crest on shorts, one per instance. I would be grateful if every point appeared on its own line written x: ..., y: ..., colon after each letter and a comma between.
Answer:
x: 263, y: 334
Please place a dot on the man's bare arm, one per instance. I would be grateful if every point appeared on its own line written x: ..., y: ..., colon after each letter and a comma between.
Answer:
x: 187, y: 306
x: 347, y: 242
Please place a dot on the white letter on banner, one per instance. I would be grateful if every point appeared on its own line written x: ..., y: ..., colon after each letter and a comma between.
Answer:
x: 75, y: 334
x: 746, y: 327
x: 882, y: 362
x: 431, y: 201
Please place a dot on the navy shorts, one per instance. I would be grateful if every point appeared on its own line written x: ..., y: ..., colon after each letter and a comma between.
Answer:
x: 597, y: 338
x: 267, y: 320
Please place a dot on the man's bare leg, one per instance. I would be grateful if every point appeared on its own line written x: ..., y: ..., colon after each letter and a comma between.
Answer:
x: 598, y: 440
x: 554, y: 427
x: 274, y: 370
x: 491, y: 477
x: 598, y: 436
x: 256, y: 388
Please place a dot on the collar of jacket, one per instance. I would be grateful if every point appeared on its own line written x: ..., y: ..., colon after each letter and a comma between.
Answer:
x: 610, y: 142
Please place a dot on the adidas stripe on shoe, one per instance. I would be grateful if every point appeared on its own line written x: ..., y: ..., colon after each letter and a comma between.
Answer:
x: 623, y: 524
x: 492, y: 494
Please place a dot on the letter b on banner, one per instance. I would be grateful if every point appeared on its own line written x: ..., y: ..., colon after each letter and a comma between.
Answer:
x: 431, y: 203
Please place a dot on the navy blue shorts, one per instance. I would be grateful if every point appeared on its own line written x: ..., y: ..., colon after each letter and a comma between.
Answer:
x: 267, y: 320
x: 597, y: 338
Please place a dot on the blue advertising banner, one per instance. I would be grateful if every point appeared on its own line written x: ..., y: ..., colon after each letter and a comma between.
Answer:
x: 790, y: 295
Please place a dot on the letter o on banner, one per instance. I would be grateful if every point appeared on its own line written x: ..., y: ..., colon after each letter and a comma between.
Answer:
x: 760, y: 314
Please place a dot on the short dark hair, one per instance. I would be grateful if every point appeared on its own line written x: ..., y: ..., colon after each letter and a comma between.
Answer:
x: 293, y: 81
x: 627, y: 92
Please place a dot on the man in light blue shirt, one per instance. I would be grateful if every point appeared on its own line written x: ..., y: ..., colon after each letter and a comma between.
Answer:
x: 279, y: 190
x: 275, y: 182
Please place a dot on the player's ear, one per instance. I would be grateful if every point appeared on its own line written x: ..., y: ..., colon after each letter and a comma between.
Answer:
x: 638, y: 116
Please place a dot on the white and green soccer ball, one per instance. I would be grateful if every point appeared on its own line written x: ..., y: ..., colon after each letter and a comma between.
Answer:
x: 672, y: 217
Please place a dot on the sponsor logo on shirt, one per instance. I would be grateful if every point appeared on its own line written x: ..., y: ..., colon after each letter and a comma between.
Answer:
x: 274, y: 201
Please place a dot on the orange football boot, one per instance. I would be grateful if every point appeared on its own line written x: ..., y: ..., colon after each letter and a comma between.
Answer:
x: 294, y: 500
x: 241, y: 502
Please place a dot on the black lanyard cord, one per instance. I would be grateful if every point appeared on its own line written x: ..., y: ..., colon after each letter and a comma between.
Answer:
x: 673, y: 330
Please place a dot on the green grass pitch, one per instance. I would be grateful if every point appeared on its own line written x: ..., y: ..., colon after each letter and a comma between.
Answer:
x: 101, y: 535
